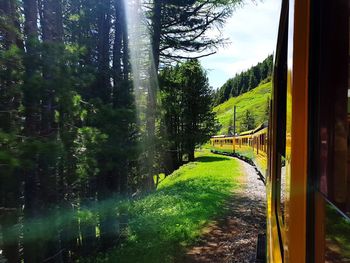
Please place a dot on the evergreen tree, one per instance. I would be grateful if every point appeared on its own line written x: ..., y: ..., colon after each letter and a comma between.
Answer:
x: 248, y: 122
x: 69, y: 132
x: 178, y: 28
x: 11, y: 73
x: 187, y: 115
x: 267, y: 110
x: 199, y: 120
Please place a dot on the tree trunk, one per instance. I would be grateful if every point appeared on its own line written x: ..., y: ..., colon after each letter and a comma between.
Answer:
x: 31, y: 127
x: 126, y: 66
x: 10, y: 180
x: 191, y: 155
x: 103, y: 87
x: 156, y: 31
x: 117, y: 53
x: 87, y: 227
x: 10, y: 233
x: 152, y: 93
x: 52, y: 29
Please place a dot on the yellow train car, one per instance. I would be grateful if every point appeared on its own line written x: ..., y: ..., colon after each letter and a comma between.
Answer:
x: 222, y: 143
x: 308, y: 199
x: 250, y: 144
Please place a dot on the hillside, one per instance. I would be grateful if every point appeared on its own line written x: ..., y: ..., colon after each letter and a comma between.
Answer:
x: 245, y: 81
x: 255, y: 101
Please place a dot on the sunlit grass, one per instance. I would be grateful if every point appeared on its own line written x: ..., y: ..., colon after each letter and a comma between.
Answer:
x: 162, y: 224
x: 255, y: 101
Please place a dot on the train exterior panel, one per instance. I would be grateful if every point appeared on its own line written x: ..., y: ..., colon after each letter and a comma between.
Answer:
x: 308, y: 178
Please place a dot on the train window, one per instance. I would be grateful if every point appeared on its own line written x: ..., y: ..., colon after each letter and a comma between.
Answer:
x: 332, y: 79
x: 334, y: 141
x: 280, y: 93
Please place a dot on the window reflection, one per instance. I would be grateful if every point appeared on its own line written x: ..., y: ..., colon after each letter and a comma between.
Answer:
x: 332, y: 235
x: 337, y: 236
x: 283, y: 190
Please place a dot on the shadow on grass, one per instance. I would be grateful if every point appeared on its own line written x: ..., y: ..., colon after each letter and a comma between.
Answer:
x: 232, y: 237
x: 164, y: 223
x: 207, y: 159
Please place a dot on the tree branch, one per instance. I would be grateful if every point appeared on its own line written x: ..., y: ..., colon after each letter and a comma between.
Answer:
x: 187, y: 57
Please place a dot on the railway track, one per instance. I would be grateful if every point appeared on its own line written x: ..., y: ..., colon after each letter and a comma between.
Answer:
x: 232, y: 238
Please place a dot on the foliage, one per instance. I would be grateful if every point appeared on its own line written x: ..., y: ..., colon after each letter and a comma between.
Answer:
x: 185, y: 24
x: 187, y: 116
x: 86, y: 145
x: 248, y: 122
x: 71, y: 139
x: 254, y: 101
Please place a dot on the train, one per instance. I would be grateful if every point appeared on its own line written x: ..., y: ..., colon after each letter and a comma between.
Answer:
x: 250, y: 145
x: 308, y: 142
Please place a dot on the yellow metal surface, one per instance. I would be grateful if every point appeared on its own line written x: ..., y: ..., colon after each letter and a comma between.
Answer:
x: 297, y: 121
x: 292, y: 229
x: 274, y: 254
x: 273, y: 245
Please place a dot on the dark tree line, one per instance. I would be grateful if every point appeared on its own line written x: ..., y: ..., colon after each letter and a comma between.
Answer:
x: 67, y: 100
x: 245, y: 81
x: 70, y: 134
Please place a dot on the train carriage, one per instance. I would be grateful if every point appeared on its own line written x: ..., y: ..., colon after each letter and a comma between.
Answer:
x: 250, y: 144
x: 308, y: 200
x: 308, y: 142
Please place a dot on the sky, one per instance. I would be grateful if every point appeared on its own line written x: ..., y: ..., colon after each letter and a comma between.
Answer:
x: 252, y: 35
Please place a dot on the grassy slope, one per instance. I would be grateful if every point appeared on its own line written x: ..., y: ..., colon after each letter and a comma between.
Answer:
x: 163, y: 223
x: 254, y: 100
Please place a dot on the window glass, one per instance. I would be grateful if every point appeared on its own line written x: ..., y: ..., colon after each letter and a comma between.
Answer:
x: 333, y: 218
x: 280, y: 84
x: 334, y: 180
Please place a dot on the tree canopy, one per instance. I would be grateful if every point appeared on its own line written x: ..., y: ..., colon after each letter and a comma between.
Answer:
x: 75, y: 137
x: 187, y: 117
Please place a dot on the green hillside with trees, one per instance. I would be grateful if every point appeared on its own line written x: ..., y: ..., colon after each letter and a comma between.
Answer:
x: 245, y: 81
x: 252, y: 109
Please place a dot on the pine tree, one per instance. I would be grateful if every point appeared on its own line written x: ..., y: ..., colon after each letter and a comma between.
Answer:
x: 11, y: 70
x: 267, y: 110
x: 248, y: 122
x: 68, y: 124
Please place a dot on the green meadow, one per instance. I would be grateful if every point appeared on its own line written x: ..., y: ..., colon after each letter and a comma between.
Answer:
x: 162, y: 224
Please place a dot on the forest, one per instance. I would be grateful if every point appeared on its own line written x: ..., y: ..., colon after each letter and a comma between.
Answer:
x: 245, y: 81
x: 97, y: 98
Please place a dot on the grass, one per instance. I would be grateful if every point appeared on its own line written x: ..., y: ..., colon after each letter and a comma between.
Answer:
x: 165, y: 222
x: 254, y: 101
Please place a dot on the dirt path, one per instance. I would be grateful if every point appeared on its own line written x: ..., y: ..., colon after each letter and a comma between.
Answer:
x: 233, y: 238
